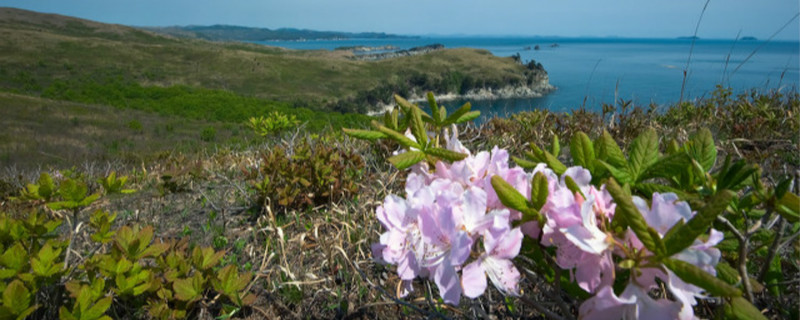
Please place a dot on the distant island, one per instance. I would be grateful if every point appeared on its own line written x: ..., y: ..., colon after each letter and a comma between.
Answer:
x: 689, y: 38
x: 749, y: 38
x: 239, y: 33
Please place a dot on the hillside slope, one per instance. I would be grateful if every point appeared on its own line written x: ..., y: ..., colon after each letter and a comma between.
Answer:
x: 46, y: 53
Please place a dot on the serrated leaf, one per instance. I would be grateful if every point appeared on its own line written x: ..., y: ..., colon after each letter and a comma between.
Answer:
x: 701, y: 147
x: 445, y: 154
x: 739, y: 308
x: 539, y: 190
x: 365, y: 134
x: 185, y: 289
x: 97, y: 310
x: 407, y: 159
x: 45, y: 186
x: 15, y: 258
x: 16, y: 297
x: 696, y: 276
x: 629, y: 215
x: 609, y: 151
x: 643, y: 153
x: 582, y: 151
x: 699, y: 224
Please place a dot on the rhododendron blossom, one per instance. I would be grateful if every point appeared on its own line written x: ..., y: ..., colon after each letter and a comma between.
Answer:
x: 452, y: 227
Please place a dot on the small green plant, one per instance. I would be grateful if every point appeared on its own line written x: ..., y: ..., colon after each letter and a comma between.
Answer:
x: 135, y: 125
x: 111, y: 184
x: 208, y: 134
x: 274, y: 123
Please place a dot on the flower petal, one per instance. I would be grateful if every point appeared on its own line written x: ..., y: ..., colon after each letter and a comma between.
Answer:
x: 473, y: 279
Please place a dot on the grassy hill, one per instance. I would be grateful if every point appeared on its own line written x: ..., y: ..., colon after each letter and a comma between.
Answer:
x: 51, y: 54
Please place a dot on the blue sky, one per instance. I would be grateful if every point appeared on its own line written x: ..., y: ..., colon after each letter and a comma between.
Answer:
x: 569, y: 18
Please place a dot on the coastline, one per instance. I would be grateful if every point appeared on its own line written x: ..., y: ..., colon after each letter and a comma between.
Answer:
x: 508, y: 92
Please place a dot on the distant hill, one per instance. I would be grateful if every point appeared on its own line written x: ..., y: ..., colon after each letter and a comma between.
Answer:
x: 66, y: 58
x: 238, y: 33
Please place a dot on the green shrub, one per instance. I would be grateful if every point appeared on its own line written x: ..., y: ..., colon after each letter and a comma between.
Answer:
x: 312, y: 173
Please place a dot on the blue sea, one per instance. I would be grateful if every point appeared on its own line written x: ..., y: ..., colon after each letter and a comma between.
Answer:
x: 591, y: 71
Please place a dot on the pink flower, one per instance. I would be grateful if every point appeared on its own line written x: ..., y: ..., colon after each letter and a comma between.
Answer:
x: 501, y: 246
x: 633, y: 303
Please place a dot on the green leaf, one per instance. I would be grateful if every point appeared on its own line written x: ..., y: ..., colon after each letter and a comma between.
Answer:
x: 629, y: 215
x: 621, y: 174
x: 15, y: 258
x: 572, y: 186
x: 643, y: 153
x: 699, y: 224
x: 539, y: 190
x: 555, y: 147
x: 739, y: 308
x: 582, y: 150
x: 407, y: 159
x: 524, y: 163
x: 46, y: 186
x: 609, y: 151
x: 435, y: 113
x: 727, y: 273
x: 445, y: 154
x: 453, y: 118
x: 188, y: 289
x: 399, y: 137
x: 206, y: 258
x: 418, y: 127
x: 16, y: 297
x: 64, y: 314
x: 469, y: 116
x: 550, y: 160
x: 97, y: 311
x: 696, y: 276
x: 509, y: 196
x: 365, y: 134
x: 673, y: 147
x: 668, y: 166
x: 647, y: 189
x: 701, y: 148
x: 788, y: 206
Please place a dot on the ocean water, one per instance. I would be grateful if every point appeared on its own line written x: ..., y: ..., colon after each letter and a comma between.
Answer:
x: 591, y: 71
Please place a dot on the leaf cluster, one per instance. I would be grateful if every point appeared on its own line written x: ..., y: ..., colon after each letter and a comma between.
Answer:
x: 310, y: 173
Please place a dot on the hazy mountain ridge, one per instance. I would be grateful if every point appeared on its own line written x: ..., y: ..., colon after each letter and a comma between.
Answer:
x: 239, y: 33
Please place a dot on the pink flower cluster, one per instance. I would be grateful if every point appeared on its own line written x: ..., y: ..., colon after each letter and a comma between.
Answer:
x: 435, y: 230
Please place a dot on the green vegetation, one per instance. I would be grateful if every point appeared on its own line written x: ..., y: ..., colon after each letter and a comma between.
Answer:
x: 318, y: 244
x: 125, y: 59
